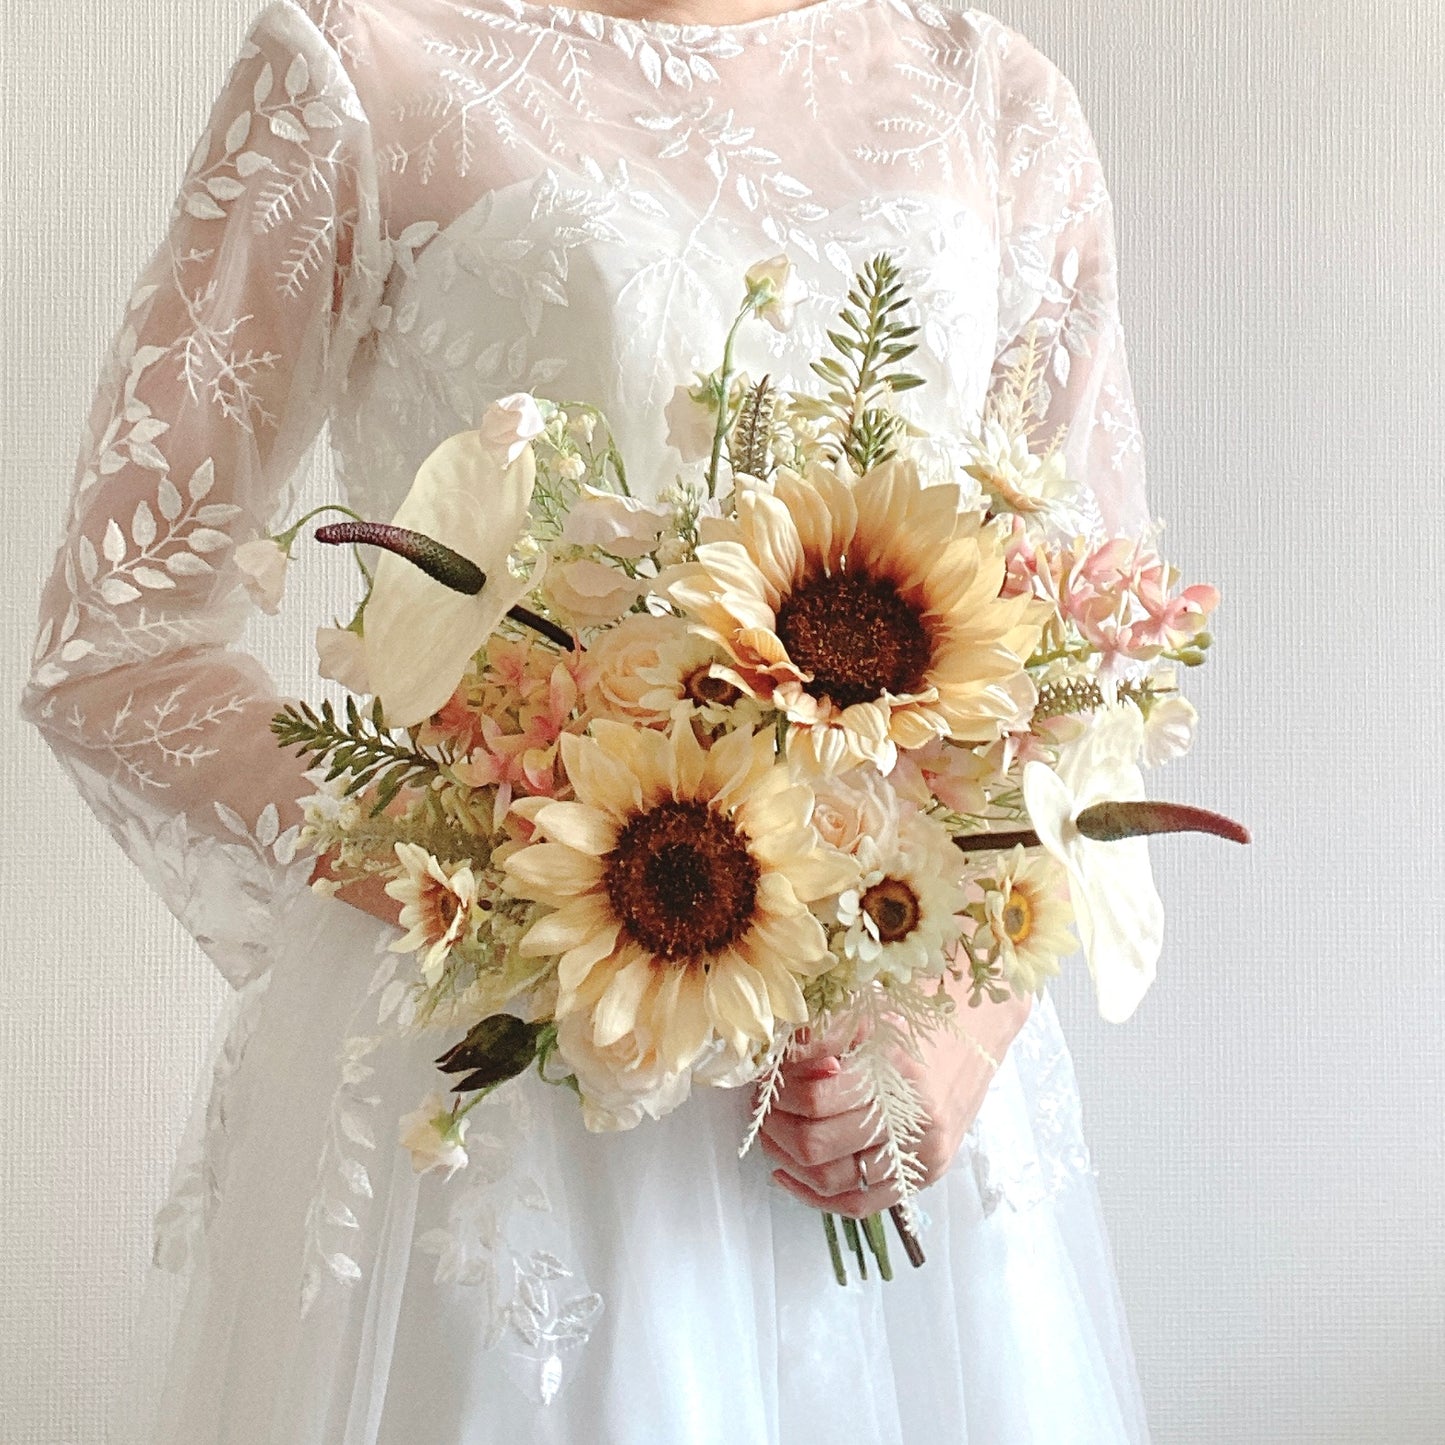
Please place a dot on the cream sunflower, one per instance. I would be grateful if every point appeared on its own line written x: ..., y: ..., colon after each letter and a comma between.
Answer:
x: 1027, y: 921
x: 867, y: 611
x: 680, y: 880
x: 436, y: 906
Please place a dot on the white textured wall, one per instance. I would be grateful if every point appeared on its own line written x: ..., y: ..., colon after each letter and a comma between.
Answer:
x: 1269, y: 1131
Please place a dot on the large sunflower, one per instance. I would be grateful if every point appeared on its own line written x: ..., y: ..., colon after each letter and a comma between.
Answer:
x: 868, y: 611
x: 680, y: 880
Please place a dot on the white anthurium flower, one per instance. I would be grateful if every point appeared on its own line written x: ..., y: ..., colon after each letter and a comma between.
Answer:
x: 1117, y: 909
x: 780, y: 288
x: 471, y: 494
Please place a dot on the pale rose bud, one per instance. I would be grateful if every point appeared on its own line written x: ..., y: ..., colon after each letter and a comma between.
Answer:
x: 510, y: 423
x: 262, y: 565
x: 341, y: 656
x: 434, y: 1137
x: 780, y: 290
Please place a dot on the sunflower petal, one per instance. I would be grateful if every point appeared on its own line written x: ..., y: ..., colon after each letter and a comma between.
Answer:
x: 616, y: 1011
x: 577, y: 826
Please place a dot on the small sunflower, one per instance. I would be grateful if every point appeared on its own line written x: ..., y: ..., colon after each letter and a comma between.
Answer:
x: 867, y: 611
x: 680, y: 880
x: 436, y: 906
x: 1027, y: 921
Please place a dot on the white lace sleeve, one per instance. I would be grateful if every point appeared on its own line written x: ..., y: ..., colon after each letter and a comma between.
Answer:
x: 235, y: 342
x: 1059, y: 268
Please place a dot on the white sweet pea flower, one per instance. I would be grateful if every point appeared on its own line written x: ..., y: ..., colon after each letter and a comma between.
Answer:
x: 690, y: 424
x: 341, y: 656
x: 1168, y: 730
x: 471, y: 494
x: 262, y: 565
x: 434, y: 1136
x: 624, y: 526
x: 590, y: 594
x: 1117, y: 909
x: 780, y: 290
x: 510, y: 423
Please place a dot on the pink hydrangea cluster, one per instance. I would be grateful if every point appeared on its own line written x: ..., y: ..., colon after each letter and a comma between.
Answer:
x: 504, y: 720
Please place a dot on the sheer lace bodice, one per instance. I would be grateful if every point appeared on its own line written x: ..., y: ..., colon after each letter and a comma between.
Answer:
x: 399, y: 211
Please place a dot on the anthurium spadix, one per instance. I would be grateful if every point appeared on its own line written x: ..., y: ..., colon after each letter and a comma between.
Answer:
x: 1117, y: 909
x: 471, y: 494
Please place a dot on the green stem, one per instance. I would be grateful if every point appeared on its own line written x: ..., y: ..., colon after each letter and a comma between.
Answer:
x: 286, y: 538
x: 835, y: 1253
x: 1042, y: 659
x: 855, y: 1243
x: 724, y: 389
x: 878, y: 1243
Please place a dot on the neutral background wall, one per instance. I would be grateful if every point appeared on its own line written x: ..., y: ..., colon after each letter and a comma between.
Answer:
x: 1268, y: 1132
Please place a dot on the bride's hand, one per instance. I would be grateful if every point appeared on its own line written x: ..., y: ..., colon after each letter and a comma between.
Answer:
x: 367, y: 894
x: 822, y: 1124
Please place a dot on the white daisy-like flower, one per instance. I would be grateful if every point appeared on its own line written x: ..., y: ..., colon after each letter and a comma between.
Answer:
x: 901, y: 920
x: 436, y: 906
x: 1027, y: 920
x: 434, y: 1136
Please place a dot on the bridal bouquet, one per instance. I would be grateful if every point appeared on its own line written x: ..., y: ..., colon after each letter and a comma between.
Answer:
x: 819, y: 740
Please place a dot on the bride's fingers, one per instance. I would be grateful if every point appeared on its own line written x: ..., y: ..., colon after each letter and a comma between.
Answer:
x: 840, y: 1177
x: 819, y: 1094
x: 809, y: 1142
x: 855, y: 1203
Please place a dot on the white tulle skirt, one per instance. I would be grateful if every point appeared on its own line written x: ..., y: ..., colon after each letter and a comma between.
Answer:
x: 647, y: 1288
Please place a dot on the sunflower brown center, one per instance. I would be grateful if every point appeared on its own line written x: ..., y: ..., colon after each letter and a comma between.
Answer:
x: 857, y: 636
x: 1018, y: 918
x: 682, y: 881
x: 701, y: 687
x: 893, y: 907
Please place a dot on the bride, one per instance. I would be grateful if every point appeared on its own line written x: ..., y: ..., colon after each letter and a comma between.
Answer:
x: 399, y: 211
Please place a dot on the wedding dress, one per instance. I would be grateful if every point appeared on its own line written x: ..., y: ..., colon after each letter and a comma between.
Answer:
x: 400, y: 210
